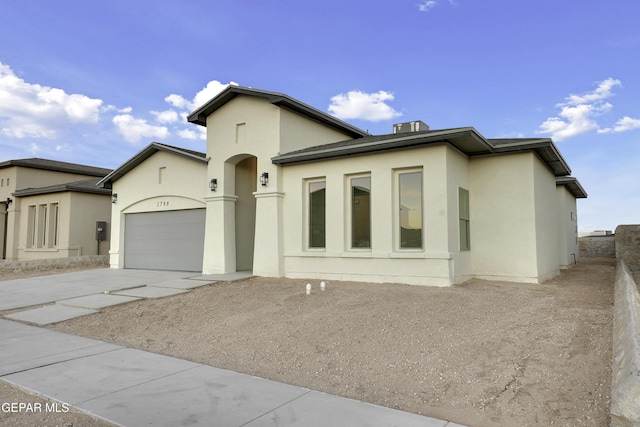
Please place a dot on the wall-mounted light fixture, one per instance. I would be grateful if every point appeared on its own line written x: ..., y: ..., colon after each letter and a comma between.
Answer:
x: 114, y: 198
x: 264, y: 178
x: 213, y: 184
x: 9, y: 201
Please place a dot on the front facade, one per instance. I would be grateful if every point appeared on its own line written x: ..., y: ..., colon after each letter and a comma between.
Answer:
x: 288, y: 191
x: 49, y: 209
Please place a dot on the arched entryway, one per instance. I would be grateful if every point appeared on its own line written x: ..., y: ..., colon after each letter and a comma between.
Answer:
x: 245, y: 177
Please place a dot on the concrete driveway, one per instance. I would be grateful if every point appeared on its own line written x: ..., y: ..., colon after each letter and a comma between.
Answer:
x: 54, y: 298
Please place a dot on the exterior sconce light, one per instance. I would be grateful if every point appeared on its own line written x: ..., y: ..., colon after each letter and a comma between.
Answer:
x: 9, y: 201
x: 213, y: 184
x: 114, y: 198
x: 264, y: 178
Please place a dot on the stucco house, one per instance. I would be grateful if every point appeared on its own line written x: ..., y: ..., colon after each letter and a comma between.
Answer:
x: 286, y: 190
x: 50, y: 209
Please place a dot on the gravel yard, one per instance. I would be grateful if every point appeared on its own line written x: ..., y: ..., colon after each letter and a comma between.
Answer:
x: 482, y: 353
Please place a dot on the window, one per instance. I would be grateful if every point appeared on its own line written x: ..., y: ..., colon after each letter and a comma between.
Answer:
x: 463, y: 208
x: 317, y: 214
x: 361, y: 212
x: 31, y: 228
x: 410, y: 206
x: 53, y: 225
x: 42, y: 226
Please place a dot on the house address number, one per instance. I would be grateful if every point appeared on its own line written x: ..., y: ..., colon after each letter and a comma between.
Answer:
x: 162, y: 203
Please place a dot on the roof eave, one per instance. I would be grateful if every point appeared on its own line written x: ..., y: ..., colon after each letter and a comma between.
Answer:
x: 466, y: 140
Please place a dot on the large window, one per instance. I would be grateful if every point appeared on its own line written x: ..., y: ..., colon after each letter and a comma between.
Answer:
x: 410, y: 201
x: 465, y: 229
x: 317, y: 214
x: 43, y: 224
x: 361, y: 212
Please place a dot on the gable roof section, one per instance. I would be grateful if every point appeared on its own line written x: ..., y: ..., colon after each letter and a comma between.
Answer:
x: 143, y: 155
x: 54, y: 165
x: 278, y: 99
x: 467, y: 140
x: 84, y: 186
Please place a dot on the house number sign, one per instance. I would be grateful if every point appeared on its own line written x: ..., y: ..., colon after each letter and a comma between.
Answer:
x: 162, y: 203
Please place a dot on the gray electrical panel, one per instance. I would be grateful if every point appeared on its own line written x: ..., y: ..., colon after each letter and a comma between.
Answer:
x: 101, y: 230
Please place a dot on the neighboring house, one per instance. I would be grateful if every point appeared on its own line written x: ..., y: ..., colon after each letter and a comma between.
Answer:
x: 49, y: 209
x: 287, y: 190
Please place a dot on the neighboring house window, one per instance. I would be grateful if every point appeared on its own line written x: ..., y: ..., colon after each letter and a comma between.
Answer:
x: 317, y: 213
x: 53, y: 227
x: 410, y: 207
x: 465, y: 230
x: 361, y: 212
x: 31, y: 228
x: 42, y: 226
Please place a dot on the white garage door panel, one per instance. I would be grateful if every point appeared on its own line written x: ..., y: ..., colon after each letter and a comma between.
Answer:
x: 170, y: 240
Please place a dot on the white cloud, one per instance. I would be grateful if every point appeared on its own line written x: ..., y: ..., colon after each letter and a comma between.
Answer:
x: 133, y: 130
x: 624, y: 124
x: 212, y: 88
x: 192, y: 134
x: 578, y: 113
x: 427, y: 5
x: 167, y: 116
x: 32, y: 110
x: 365, y: 106
x: 603, y: 91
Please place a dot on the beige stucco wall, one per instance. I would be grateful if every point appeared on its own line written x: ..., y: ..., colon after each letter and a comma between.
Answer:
x: 248, y: 126
x: 546, y: 221
x: 568, y: 251
x: 77, y: 216
x: 443, y: 169
x: 503, y: 217
x: 183, y: 186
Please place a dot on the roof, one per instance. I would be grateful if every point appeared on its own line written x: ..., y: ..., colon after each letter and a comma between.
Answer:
x: 147, y: 152
x: 84, y: 186
x: 278, y: 99
x: 54, y: 165
x: 467, y: 140
x: 573, y: 185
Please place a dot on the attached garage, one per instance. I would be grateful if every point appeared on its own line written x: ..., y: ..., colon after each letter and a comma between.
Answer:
x: 167, y: 240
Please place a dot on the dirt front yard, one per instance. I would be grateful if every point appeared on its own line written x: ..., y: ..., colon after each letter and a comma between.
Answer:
x: 483, y: 353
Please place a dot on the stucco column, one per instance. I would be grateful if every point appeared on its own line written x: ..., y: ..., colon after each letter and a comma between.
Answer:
x: 268, y: 248
x: 13, y: 227
x: 219, y: 238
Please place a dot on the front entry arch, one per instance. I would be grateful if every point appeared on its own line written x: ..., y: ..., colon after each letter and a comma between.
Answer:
x: 245, y: 212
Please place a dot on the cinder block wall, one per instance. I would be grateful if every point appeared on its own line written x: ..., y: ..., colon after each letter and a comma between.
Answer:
x: 627, y: 240
x: 597, y: 246
x: 54, y: 263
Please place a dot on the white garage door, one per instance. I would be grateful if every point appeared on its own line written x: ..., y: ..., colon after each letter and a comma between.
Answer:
x: 170, y: 240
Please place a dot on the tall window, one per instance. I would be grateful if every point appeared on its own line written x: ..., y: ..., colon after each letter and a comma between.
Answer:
x: 317, y: 214
x: 361, y: 212
x: 53, y: 225
x: 31, y: 229
x: 410, y: 193
x: 465, y: 229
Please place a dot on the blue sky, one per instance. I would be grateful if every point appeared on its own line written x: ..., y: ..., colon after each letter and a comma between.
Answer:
x: 95, y: 82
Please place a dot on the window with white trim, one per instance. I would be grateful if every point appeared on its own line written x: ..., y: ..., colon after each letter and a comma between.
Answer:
x: 316, y: 214
x: 360, y: 211
x: 410, y: 209
x: 464, y: 219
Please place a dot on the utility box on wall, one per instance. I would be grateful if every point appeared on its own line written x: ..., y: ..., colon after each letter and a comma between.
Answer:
x: 101, y: 230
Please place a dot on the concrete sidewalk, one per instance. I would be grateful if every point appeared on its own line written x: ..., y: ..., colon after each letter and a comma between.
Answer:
x: 133, y: 388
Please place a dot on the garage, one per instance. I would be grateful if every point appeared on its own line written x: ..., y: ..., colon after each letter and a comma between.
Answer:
x: 168, y: 240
